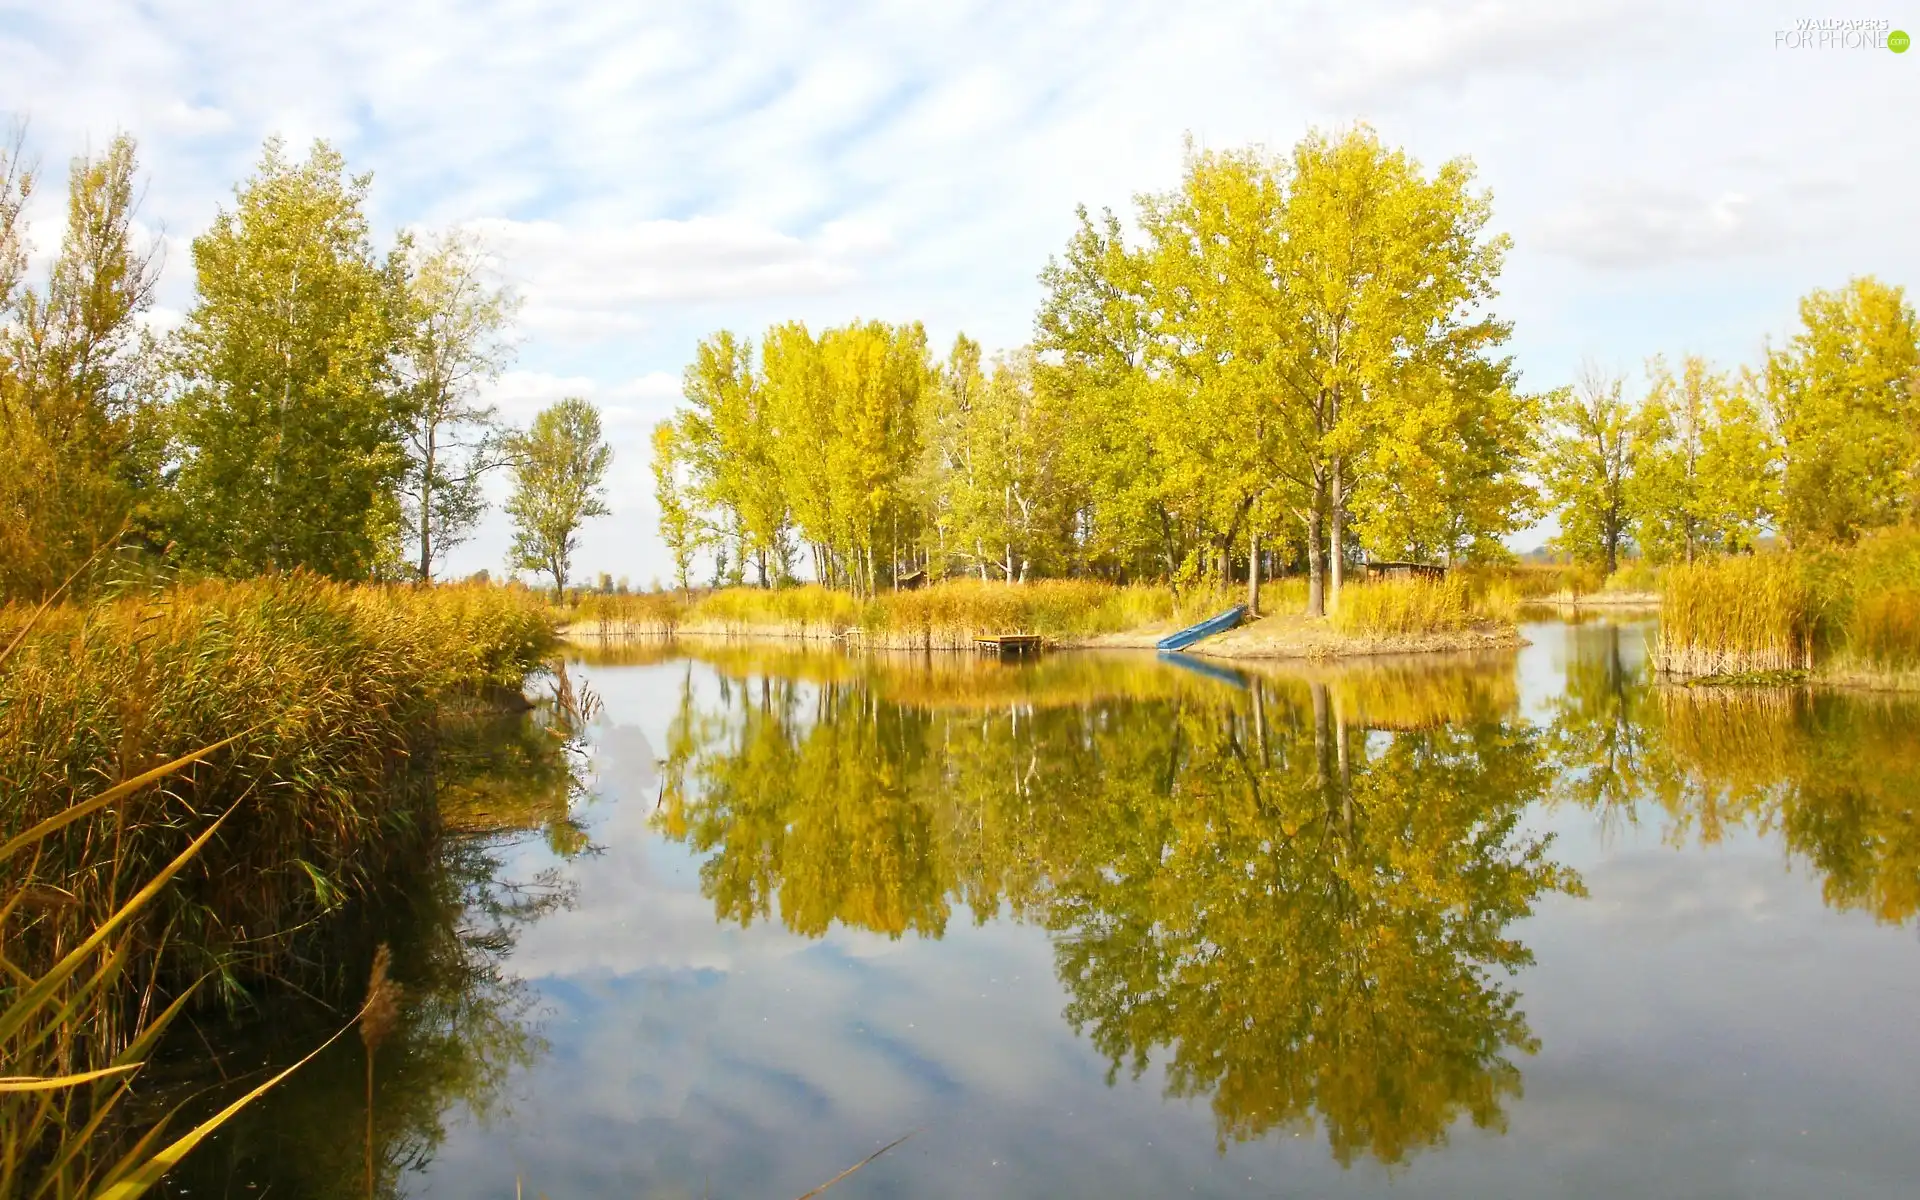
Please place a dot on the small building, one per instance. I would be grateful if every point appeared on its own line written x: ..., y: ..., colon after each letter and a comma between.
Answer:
x: 911, y: 580
x: 1405, y: 570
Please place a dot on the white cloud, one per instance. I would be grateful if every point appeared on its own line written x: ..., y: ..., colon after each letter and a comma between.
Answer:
x: 1640, y: 227
x: 588, y: 282
x: 1396, y: 49
x: 520, y: 395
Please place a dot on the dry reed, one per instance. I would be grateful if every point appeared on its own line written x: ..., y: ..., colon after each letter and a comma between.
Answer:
x: 1737, y: 616
x: 1849, y: 615
x: 945, y: 615
x: 321, y: 698
x: 1412, y: 607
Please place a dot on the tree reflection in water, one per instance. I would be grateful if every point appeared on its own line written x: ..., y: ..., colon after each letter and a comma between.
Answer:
x: 1836, y: 775
x: 1298, y: 893
x: 467, y: 1022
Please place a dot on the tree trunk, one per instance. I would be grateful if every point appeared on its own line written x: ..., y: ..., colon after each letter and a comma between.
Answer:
x: 1260, y: 721
x: 1338, y: 519
x: 426, y: 510
x: 1253, y: 574
x: 1316, y: 563
x: 1320, y: 731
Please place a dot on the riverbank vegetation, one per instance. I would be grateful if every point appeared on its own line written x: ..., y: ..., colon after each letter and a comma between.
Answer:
x: 1842, y: 615
x: 1170, y: 421
x: 322, y: 699
x: 948, y: 614
x: 249, y: 760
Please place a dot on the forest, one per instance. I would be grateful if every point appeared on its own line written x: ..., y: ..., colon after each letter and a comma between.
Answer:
x: 320, y: 407
x: 1289, y: 363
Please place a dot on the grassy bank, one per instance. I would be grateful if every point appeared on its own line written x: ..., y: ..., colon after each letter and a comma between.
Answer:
x: 945, y: 615
x: 1573, y: 584
x: 321, y: 699
x: 950, y: 615
x: 1413, y: 607
x: 1839, y: 616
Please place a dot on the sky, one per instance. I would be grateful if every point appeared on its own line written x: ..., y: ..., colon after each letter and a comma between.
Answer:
x: 1673, y: 176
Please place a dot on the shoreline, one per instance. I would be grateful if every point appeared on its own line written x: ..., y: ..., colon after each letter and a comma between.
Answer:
x: 1272, y: 637
x: 1631, y: 600
x: 1845, y: 679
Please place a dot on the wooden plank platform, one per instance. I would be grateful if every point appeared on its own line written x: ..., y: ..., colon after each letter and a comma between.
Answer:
x: 1009, y: 643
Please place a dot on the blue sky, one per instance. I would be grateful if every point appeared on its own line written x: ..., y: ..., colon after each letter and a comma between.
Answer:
x: 646, y: 174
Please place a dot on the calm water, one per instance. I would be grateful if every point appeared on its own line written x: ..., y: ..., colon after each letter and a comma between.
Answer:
x: 1109, y: 926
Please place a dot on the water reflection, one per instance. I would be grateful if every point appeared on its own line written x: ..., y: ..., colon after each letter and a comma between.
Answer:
x: 1296, y: 900
x: 468, y: 1022
x: 1835, y: 775
x: 1297, y: 892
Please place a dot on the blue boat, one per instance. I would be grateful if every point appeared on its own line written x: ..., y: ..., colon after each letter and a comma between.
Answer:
x: 1207, y: 628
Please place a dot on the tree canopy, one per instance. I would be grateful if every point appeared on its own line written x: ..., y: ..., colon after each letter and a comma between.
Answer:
x: 559, y: 466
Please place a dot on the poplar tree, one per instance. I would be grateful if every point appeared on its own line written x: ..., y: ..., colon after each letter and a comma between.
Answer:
x: 680, y: 526
x: 727, y: 434
x: 453, y: 343
x: 289, y: 424
x: 1843, y: 395
x: 1587, y: 462
x: 559, y: 467
x: 800, y: 407
x: 1316, y: 312
x: 77, y: 374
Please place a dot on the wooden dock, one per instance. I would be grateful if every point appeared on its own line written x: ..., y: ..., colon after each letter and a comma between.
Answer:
x: 1009, y: 643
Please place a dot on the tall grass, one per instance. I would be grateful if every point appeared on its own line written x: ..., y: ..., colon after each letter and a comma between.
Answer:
x: 1849, y: 614
x: 87, y: 993
x: 1416, y: 607
x: 1737, y: 616
x: 321, y: 701
x: 948, y: 614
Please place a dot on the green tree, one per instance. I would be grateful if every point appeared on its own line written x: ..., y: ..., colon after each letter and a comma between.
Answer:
x: 1842, y: 394
x: 680, y: 526
x: 726, y: 436
x: 1392, y: 268
x: 1704, y: 466
x: 289, y: 423
x: 1664, y: 492
x: 1448, y: 473
x: 875, y: 375
x: 77, y: 375
x: 997, y: 497
x: 1739, y: 470
x: 1296, y: 332
x: 558, y: 466
x: 453, y: 344
x: 1587, y: 461
x: 1091, y: 337
x: 799, y: 405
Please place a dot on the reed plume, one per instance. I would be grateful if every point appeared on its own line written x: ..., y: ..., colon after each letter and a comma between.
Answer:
x: 378, y: 1018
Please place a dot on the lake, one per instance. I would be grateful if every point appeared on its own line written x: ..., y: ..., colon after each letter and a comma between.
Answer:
x: 1113, y: 925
